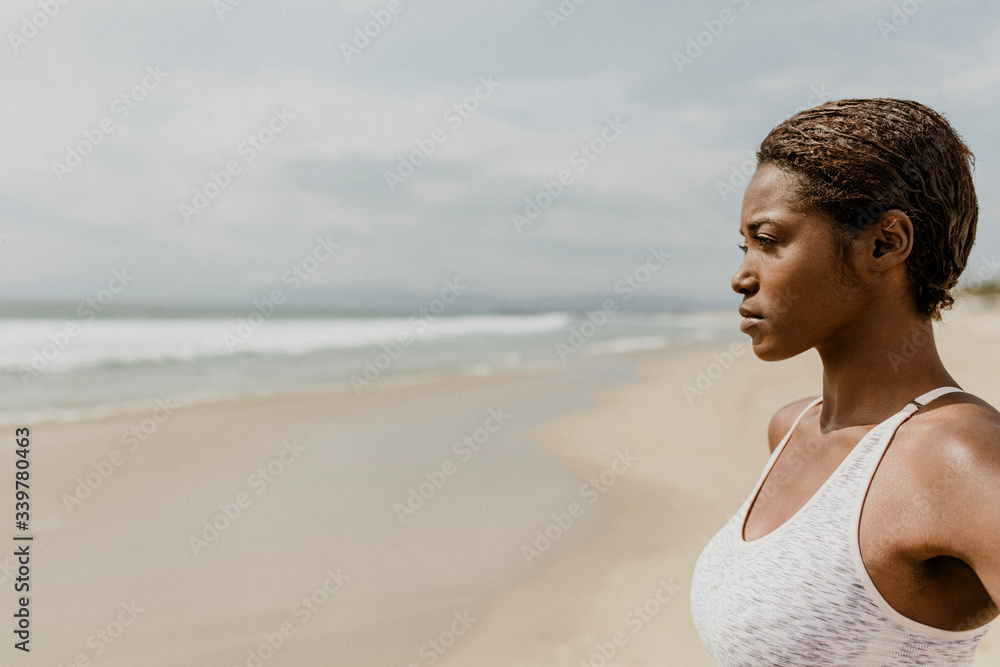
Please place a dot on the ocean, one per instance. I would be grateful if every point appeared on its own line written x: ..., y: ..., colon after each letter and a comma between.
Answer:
x: 68, y: 368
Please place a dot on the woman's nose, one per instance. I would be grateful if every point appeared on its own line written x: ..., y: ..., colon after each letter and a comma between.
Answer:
x: 744, y: 281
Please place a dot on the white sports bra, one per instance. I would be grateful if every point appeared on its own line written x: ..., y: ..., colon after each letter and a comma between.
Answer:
x: 800, y: 595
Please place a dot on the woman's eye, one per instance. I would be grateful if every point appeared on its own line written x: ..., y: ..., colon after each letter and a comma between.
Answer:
x: 760, y: 240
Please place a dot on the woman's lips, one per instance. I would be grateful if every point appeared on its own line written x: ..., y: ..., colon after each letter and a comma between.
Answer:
x: 749, y: 321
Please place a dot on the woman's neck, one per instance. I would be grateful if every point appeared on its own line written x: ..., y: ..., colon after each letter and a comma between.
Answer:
x: 874, y: 369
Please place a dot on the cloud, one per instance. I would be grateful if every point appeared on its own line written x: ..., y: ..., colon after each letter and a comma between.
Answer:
x: 206, y: 136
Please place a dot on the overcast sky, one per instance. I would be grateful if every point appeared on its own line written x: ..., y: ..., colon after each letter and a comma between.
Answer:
x: 206, y: 147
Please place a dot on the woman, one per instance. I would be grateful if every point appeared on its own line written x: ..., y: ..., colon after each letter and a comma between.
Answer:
x: 857, y: 223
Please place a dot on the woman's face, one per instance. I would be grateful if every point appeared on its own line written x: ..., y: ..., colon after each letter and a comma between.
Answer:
x: 795, y: 295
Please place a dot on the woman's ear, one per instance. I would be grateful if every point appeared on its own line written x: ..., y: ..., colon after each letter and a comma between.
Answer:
x: 890, y: 240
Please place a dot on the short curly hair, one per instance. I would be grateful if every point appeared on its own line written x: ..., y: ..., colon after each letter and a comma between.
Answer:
x: 857, y: 158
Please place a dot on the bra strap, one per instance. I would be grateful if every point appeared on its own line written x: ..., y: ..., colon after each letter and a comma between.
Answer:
x: 924, y: 399
x: 910, y: 408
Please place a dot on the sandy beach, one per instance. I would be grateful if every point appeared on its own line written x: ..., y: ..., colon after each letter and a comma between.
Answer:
x: 219, y: 535
x: 285, y: 530
x: 698, y: 460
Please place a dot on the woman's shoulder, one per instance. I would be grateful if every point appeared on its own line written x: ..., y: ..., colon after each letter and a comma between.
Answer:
x: 783, y: 419
x: 954, y: 467
x: 960, y: 432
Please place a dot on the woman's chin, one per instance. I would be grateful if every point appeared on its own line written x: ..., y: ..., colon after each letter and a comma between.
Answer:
x: 765, y: 349
x: 763, y: 352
